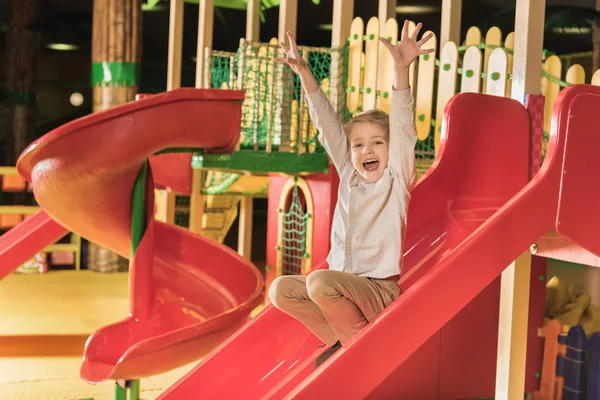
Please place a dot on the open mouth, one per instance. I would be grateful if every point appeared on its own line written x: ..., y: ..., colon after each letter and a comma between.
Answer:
x: 371, y: 164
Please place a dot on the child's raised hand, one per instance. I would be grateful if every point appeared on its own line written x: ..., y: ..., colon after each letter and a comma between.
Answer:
x: 292, y: 56
x: 408, y: 49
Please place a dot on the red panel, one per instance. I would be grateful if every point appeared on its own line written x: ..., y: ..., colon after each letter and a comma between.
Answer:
x: 579, y: 210
x: 417, y: 378
x: 276, y: 183
x: 469, y: 343
x: 324, y: 190
x: 187, y: 293
x: 26, y: 239
x: 173, y: 172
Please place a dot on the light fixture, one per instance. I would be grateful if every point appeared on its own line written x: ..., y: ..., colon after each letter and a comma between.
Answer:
x: 416, y: 9
x: 325, y: 27
x: 76, y: 99
x: 62, y: 46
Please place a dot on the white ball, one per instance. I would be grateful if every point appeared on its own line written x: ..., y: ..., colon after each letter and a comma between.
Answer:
x: 76, y: 99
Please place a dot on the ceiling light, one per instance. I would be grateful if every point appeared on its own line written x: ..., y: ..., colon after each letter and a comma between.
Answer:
x: 325, y: 27
x: 62, y: 46
x: 416, y: 9
x: 76, y: 99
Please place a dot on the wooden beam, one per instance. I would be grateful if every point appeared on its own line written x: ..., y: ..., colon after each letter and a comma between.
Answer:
x: 386, y: 10
x: 197, y: 203
x: 253, y: 20
x: 529, y: 38
x: 206, y: 11
x: 451, y: 20
x: 512, y: 329
x: 288, y: 12
x: 343, y: 12
x: 245, y: 227
x: 175, y: 45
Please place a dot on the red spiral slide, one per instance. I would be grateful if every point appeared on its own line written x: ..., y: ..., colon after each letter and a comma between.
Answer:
x: 187, y: 292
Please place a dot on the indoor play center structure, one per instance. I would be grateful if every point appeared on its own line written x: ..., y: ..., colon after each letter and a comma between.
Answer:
x: 506, y: 182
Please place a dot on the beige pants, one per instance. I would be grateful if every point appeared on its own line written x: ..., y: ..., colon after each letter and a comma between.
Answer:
x: 334, y: 305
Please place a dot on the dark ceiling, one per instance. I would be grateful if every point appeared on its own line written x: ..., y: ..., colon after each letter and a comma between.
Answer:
x: 70, y: 21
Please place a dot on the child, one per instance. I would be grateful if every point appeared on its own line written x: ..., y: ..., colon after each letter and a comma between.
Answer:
x: 374, y: 157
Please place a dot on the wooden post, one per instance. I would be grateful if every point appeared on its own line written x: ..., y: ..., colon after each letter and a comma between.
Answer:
x: 529, y: 37
x: 596, y: 39
x: 288, y: 12
x: 205, y: 38
x: 343, y: 12
x: 175, y: 45
x: 512, y: 330
x: 253, y: 20
x: 21, y: 79
x: 116, y: 48
x: 245, y: 227
x: 450, y: 25
x: 387, y: 10
x: 515, y: 281
x: 174, y: 78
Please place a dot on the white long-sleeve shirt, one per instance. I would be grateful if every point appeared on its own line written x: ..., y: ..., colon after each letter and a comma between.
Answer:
x: 369, y: 221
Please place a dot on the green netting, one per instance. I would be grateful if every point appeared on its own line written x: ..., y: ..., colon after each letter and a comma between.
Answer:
x: 222, y: 69
x: 295, y: 220
x: 274, y: 114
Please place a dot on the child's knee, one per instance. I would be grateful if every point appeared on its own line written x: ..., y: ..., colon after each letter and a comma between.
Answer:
x: 277, y: 292
x: 316, y: 283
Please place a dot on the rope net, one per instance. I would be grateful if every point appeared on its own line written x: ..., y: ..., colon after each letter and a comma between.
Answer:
x: 295, y: 221
x: 274, y: 113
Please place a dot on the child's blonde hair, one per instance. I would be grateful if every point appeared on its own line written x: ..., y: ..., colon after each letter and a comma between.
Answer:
x: 376, y: 117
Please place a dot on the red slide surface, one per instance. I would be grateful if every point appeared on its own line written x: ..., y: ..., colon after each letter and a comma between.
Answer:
x: 471, y: 215
x: 26, y: 239
x: 187, y: 292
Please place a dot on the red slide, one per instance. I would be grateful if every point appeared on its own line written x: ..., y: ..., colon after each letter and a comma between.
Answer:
x: 187, y: 292
x: 26, y: 239
x: 470, y: 217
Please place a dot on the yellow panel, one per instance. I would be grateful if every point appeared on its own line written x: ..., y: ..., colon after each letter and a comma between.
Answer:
x: 354, y: 66
x: 473, y: 36
x: 552, y: 66
x: 471, y: 76
x: 575, y: 75
x: 371, y: 63
x: 496, y: 77
x: 596, y: 78
x: 384, y: 83
x: 424, y: 98
x: 493, y: 37
x: 446, y: 85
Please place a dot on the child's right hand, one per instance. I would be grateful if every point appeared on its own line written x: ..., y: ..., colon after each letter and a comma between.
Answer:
x: 293, y: 58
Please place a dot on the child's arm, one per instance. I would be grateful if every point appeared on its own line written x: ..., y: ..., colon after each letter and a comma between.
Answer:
x: 403, y: 132
x: 331, y: 132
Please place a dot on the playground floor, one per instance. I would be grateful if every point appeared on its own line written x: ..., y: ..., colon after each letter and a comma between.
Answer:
x: 45, y: 320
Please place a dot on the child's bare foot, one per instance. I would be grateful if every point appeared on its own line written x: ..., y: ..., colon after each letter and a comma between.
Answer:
x: 328, y: 353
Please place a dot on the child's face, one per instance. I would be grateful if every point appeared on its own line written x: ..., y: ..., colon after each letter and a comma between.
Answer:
x: 368, y: 150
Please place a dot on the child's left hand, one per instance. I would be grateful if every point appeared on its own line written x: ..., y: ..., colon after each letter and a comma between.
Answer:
x: 408, y: 49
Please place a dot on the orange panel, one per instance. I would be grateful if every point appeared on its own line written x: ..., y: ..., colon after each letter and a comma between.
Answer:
x: 13, y: 183
x: 10, y: 220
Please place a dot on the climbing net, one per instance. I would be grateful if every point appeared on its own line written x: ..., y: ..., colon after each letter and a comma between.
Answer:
x: 295, y: 221
x: 274, y: 113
